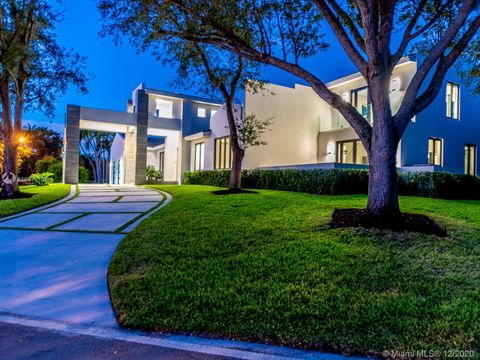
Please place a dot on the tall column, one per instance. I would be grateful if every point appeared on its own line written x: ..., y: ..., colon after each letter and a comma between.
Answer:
x: 142, y: 129
x: 136, y: 144
x: 71, y: 148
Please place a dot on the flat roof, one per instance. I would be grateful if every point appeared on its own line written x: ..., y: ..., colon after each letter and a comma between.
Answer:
x: 175, y: 95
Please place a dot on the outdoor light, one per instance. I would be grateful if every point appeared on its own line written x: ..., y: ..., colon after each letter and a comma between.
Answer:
x: 21, y: 140
x: 329, y: 148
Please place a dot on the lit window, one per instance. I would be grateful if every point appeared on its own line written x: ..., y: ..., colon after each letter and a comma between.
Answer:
x: 360, y: 99
x: 453, y: 101
x: 435, y: 151
x: 164, y: 108
x: 351, y: 152
x: 223, y: 153
x: 213, y: 112
x: 470, y: 159
x: 202, y: 112
x: 199, y: 156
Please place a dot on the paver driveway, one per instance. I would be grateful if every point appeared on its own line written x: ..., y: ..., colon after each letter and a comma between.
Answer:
x: 53, y: 262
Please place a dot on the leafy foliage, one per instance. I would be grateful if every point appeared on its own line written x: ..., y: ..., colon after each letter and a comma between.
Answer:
x: 42, y: 179
x: 153, y: 174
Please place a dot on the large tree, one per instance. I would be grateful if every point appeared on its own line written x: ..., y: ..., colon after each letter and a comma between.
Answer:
x: 210, y: 71
x: 375, y: 34
x: 34, y: 70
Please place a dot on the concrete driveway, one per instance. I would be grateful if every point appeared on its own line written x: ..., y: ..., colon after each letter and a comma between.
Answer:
x: 53, y: 261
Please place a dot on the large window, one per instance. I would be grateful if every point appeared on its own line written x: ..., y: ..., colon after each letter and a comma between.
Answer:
x: 361, y: 102
x: 199, y: 156
x: 164, y: 108
x: 161, y: 161
x: 351, y: 152
x: 470, y: 159
x: 453, y: 101
x: 435, y: 151
x: 223, y: 153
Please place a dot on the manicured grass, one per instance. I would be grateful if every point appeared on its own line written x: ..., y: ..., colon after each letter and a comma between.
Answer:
x: 42, y: 195
x: 266, y: 267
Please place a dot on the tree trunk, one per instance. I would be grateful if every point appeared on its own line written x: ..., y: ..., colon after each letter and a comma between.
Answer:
x: 236, y: 172
x: 237, y: 152
x: 382, y: 179
x: 9, y: 188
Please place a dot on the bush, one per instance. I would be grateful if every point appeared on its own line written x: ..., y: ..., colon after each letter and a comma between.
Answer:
x: 439, y: 185
x: 46, y: 163
x: 153, y: 174
x: 344, y: 181
x: 83, y: 175
x: 42, y: 179
x: 315, y: 181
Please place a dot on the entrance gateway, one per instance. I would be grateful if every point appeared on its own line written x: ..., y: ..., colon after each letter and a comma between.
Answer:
x: 147, y: 117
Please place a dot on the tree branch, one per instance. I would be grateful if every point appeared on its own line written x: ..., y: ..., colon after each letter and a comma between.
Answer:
x: 342, y: 36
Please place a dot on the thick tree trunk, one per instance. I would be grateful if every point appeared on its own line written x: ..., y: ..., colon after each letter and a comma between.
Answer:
x: 382, y: 179
x: 382, y: 184
x: 10, y: 188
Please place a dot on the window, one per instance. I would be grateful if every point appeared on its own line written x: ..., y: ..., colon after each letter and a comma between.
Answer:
x: 351, y: 152
x: 223, y: 153
x: 470, y: 159
x: 199, y: 156
x: 164, y: 108
x: 201, y: 112
x: 213, y: 112
x: 361, y: 102
x: 161, y: 161
x: 435, y: 151
x: 453, y: 101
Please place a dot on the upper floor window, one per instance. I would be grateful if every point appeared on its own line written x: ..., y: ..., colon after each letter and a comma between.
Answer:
x: 361, y: 101
x: 453, y: 101
x: 164, y: 108
x: 199, y: 156
x: 223, y: 153
x: 201, y: 112
x: 435, y: 151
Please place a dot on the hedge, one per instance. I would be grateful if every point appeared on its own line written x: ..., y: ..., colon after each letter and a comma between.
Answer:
x: 344, y: 181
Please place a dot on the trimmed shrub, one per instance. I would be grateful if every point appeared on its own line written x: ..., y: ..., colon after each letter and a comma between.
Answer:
x: 439, y: 185
x: 343, y: 181
x: 42, y: 179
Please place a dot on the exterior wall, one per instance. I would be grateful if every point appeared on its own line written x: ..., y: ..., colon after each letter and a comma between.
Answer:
x: 432, y: 122
x: 295, y: 115
x: 153, y: 156
x: 191, y: 123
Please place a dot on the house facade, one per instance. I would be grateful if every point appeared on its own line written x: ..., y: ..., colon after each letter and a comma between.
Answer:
x: 177, y: 133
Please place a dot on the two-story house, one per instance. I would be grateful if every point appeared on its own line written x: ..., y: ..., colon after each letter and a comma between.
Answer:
x: 177, y: 133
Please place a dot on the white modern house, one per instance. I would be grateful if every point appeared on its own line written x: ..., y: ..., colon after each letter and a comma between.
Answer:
x: 177, y: 133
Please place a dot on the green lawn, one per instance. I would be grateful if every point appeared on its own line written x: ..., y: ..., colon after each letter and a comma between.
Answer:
x: 42, y: 195
x: 266, y: 267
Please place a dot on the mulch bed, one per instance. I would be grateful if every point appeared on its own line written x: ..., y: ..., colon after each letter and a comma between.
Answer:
x: 342, y: 218
x: 233, y: 191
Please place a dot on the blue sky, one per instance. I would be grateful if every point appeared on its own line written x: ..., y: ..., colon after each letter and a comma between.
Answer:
x: 117, y: 70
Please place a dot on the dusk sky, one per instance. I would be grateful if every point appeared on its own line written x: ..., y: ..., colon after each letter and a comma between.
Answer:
x: 116, y: 71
